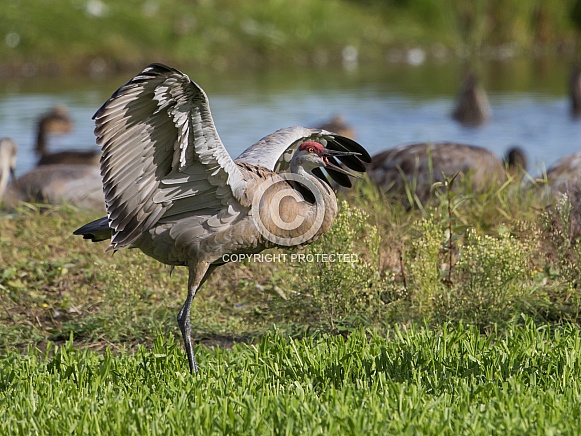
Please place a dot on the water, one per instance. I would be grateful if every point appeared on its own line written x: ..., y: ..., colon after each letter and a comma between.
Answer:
x: 387, y: 104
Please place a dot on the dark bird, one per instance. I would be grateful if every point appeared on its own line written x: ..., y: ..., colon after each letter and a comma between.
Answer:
x: 57, y: 120
x: 337, y: 124
x: 472, y: 107
x: 564, y: 173
x: 575, y: 92
x: 79, y: 185
x: 173, y: 191
x: 416, y: 167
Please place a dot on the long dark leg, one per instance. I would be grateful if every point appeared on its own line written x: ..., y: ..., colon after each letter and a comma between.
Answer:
x: 198, y: 276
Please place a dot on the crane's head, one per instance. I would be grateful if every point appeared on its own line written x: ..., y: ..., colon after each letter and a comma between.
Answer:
x: 311, y: 155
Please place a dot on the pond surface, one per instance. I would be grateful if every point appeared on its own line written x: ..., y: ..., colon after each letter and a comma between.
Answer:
x: 387, y: 104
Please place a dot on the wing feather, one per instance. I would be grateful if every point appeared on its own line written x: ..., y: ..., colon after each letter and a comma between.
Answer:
x: 275, y: 151
x: 160, y: 147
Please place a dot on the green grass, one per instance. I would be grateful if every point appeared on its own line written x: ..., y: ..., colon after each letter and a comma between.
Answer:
x: 412, y: 380
x: 459, y: 317
x: 73, y: 36
x: 481, y: 258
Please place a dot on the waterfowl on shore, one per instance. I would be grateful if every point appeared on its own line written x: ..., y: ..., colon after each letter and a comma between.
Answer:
x: 418, y: 166
x: 79, y: 185
x: 8, y: 152
x: 57, y: 120
x: 564, y: 173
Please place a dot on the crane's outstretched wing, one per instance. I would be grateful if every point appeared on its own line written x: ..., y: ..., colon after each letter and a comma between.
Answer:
x: 276, y: 150
x: 161, y: 150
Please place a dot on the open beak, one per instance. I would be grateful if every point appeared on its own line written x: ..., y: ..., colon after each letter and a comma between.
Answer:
x: 330, y: 163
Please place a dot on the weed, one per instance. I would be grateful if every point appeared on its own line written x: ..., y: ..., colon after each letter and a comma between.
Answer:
x: 492, y: 273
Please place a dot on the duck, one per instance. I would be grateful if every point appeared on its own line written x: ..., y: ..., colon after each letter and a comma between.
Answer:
x: 575, y: 92
x: 79, y: 185
x: 564, y: 173
x: 420, y: 165
x: 8, y: 152
x: 472, y: 106
x: 57, y: 120
x: 337, y: 124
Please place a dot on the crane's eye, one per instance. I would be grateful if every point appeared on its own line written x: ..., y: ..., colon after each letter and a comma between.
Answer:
x: 311, y: 150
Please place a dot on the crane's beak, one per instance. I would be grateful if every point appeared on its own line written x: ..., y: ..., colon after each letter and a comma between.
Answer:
x: 337, y: 153
x: 12, y: 175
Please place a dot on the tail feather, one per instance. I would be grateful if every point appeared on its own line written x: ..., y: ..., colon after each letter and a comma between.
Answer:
x: 96, y: 231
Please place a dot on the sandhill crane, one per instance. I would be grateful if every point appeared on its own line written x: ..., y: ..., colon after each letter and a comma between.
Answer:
x: 79, y: 185
x: 418, y: 166
x: 57, y: 120
x: 173, y: 191
x: 472, y: 107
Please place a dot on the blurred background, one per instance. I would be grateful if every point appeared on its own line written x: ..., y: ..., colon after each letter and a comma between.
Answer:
x: 392, y: 69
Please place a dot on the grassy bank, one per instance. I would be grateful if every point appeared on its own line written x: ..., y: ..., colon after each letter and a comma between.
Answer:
x: 413, y: 381
x: 104, y: 36
x: 461, y: 316
x: 484, y: 259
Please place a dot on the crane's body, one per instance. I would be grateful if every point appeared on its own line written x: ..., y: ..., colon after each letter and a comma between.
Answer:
x: 207, y: 237
x: 173, y: 191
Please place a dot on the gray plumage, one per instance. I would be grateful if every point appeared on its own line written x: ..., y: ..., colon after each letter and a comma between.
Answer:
x: 564, y: 173
x: 8, y: 153
x: 173, y: 191
x: 79, y: 185
x: 418, y: 166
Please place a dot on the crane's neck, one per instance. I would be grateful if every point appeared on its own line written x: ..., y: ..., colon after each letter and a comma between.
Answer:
x: 326, y: 191
x: 319, y: 195
x: 295, y: 168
